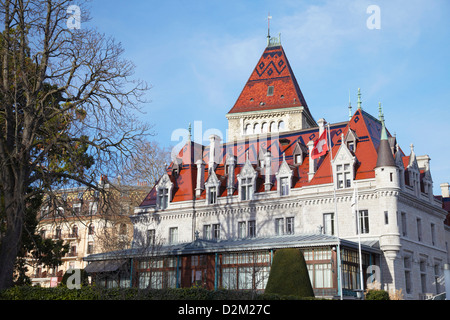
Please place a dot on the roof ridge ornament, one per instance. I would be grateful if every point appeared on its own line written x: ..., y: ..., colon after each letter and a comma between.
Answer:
x: 359, y: 99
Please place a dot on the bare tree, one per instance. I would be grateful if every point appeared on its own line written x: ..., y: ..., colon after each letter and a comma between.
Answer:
x: 147, y: 165
x: 67, y: 112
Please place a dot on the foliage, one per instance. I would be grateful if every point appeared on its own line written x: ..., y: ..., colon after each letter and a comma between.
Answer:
x: 377, y: 295
x: 96, y: 293
x: 68, y: 105
x: 45, y: 252
x: 289, y: 275
x: 83, y: 275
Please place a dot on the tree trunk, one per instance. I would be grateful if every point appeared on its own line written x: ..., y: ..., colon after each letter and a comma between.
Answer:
x: 10, y: 242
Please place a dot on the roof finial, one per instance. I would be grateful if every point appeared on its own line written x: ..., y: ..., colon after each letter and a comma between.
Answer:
x: 268, y: 25
x: 384, y: 135
x: 359, y: 99
x: 349, y: 106
x: 190, y: 131
x: 380, y: 113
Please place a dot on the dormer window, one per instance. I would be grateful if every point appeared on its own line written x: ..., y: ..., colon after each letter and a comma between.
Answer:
x: 344, y: 176
x: 351, y: 141
x: 164, y: 191
x: 351, y: 146
x: 212, y: 195
x: 284, y: 186
x: 246, y: 189
x: 212, y: 188
x: 284, y: 178
x: 163, y: 198
x: 344, y: 166
x: 299, y: 153
x: 270, y: 90
x: 247, y: 178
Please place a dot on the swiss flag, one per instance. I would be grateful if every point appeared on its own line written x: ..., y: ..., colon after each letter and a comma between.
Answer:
x: 320, y: 146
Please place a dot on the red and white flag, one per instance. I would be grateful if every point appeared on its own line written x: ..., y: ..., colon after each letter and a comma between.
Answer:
x: 320, y: 146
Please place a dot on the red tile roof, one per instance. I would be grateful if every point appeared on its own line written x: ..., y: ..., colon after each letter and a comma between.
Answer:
x: 272, y: 69
x: 366, y: 127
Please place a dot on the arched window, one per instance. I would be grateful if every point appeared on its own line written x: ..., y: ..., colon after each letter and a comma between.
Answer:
x: 248, y: 129
x: 281, y: 126
x: 265, y: 127
x: 273, y: 127
x: 256, y: 128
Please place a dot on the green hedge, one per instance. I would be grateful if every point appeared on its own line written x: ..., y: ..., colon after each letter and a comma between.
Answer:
x: 95, y: 293
x: 377, y: 295
x: 289, y: 275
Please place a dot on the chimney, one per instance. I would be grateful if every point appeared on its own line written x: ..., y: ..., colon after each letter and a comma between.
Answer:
x: 321, y: 123
x: 445, y: 190
x: 214, y: 154
x: 312, y: 162
x: 200, y: 177
x: 268, y: 171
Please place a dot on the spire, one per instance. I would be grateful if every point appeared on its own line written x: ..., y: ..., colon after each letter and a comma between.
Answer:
x: 359, y: 99
x: 385, y: 157
x: 190, y: 132
x: 268, y: 28
x: 384, y: 135
x: 349, y: 106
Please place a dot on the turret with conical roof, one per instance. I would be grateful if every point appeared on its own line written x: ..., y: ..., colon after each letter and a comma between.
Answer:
x: 385, y: 156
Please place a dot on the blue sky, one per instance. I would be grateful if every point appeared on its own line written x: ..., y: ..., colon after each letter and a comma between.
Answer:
x: 197, y: 55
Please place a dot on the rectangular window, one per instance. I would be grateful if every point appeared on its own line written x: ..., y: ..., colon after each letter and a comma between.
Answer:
x: 173, y: 235
x: 241, y: 230
x: 270, y: 90
x: 328, y: 223
x: 163, y: 198
x: 212, y: 195
x: 340, y: 181
x: 284, y: 186
x: 252, y: 229
x: 423, y: 275
x: 229, y: 278
x: 407, y: 266
x: 364, y: 221
x: 290, y: 225
x: 323, y: 275
x: 433, y: 234
x: 419, y: 229
x: 151, y: 237
x: 404, y: 228
x: 348, y: 180
x: 207, y: 232
x: 279, y: 226
x: 246, y: 189
x: 386, y: 217
x: 216, y: 232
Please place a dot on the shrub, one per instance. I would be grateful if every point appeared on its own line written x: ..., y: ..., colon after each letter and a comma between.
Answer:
x: 84, y: 281
x: 289, y: 275
x: 377, y: 295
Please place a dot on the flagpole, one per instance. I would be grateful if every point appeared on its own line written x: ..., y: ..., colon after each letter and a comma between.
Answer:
x: 359, y: 238
x: 339, y: 267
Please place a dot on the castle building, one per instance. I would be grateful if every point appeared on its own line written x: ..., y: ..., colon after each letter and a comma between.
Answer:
x: 364, y: 211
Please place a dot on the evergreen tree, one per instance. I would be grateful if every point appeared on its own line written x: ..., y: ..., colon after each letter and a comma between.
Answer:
x: 289, y: 274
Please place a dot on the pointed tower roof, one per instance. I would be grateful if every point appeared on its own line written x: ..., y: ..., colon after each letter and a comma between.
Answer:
x: 385, y: 156
x: 272, y: 84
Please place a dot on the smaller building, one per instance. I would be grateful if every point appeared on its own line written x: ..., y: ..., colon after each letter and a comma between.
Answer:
x: 89, y: 221
x: 239, y: 264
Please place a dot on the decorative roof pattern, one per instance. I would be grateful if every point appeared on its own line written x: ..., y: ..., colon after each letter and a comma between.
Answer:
x: 272, y: 70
